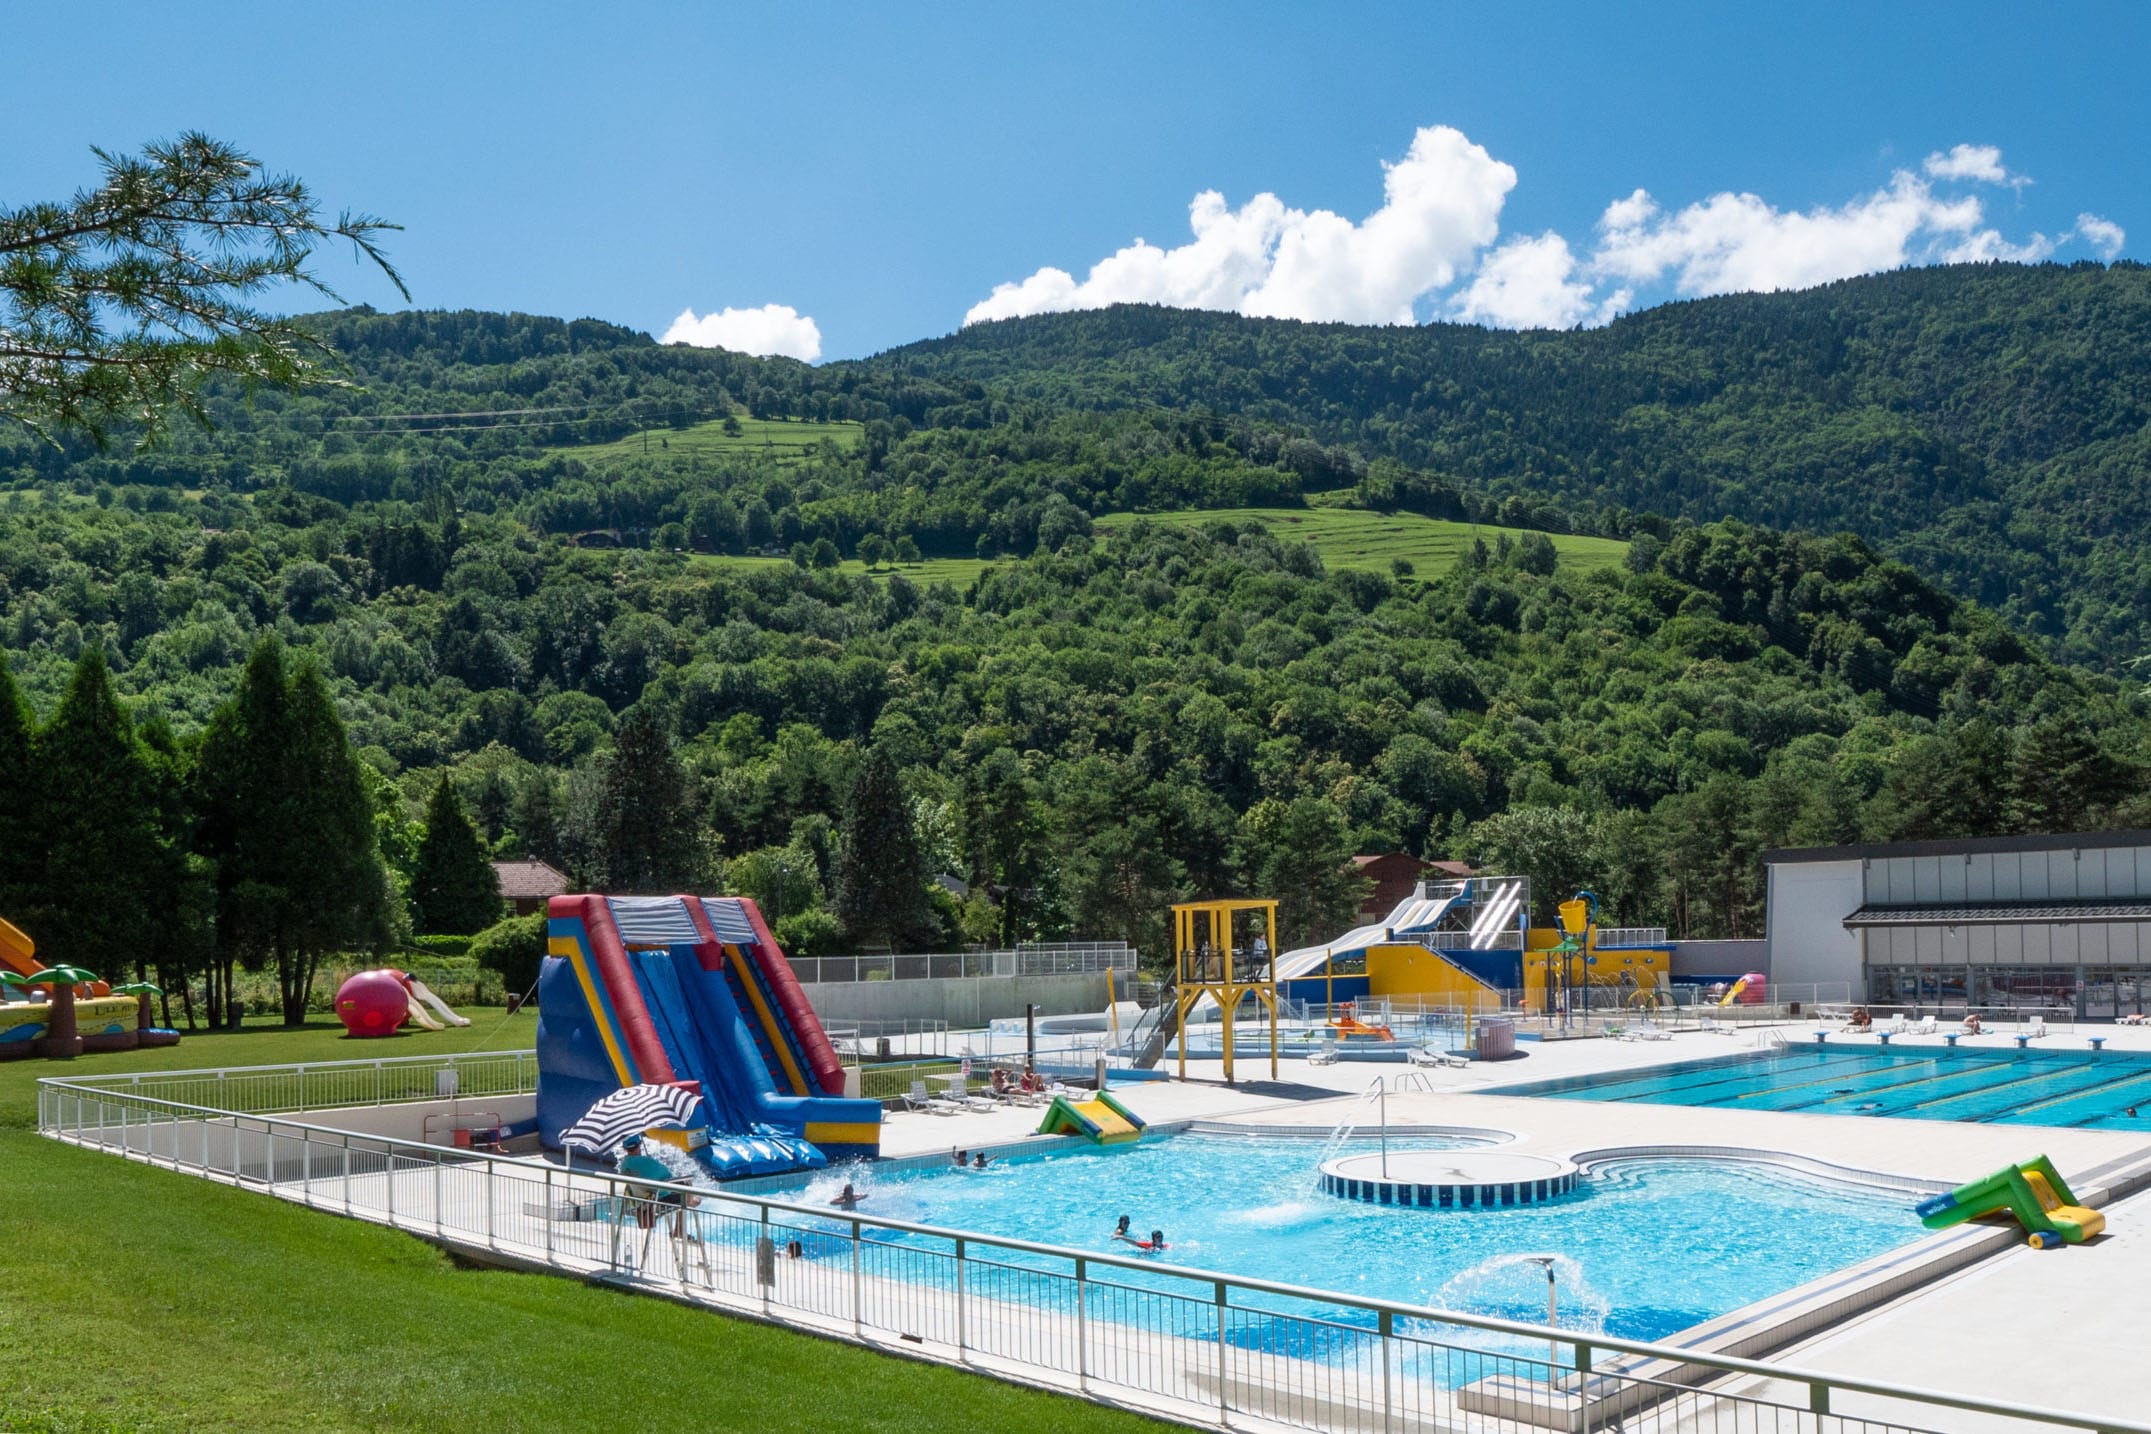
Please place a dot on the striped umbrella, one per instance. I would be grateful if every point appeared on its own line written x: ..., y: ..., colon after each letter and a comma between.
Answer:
x: 630, y: 1112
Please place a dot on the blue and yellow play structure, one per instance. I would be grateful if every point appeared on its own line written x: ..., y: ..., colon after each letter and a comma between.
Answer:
x: 2034, y: 1192
x: 1467, y: 944
x: 692, y: 991
x: 1101, y: 1118
x: 1558, y: 961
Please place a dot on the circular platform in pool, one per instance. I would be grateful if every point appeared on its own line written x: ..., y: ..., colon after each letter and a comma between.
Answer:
x: 1449, y: 1179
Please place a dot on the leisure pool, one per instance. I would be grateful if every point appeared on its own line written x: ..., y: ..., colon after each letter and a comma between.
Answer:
x: 1643, y: 1248
x: 2090, y: 1090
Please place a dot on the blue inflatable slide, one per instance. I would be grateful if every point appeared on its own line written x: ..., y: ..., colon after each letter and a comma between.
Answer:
x: 692, y: 991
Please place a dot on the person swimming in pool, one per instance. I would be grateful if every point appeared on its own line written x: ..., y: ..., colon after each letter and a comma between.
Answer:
x: 981, y: 1162
x: 847, y: 1198
x: 1152, y: 1245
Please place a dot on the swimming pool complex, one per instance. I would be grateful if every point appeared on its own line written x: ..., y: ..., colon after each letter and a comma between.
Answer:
x: 2087, y: 1089
x: 1643, y: 1248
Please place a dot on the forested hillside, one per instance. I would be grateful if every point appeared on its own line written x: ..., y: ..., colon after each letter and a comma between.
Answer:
x: 515, y: 551
x: 1987, y: 424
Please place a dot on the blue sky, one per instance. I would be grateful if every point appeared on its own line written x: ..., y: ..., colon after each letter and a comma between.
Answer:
x: 882, y: 171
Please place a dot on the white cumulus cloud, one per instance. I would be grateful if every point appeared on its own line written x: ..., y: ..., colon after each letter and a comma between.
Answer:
x: 1527, y: 284
x: 1435, y: 246
x: 1732, y: 242
x: 1979, y: 162
x: 2103, y: 235
x: 770, y: 329
x: 1441, y: 205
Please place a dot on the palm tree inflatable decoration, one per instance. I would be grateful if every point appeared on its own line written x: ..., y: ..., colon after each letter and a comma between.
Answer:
x: 141, y: 991
x: 61, y: 1042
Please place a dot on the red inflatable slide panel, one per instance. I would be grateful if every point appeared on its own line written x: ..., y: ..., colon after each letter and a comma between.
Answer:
x: 783, y: 987
x: 625, y: 996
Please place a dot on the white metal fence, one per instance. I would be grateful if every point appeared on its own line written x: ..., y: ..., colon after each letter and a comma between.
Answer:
x: 1185, y: 1343
x: 1059, y: 959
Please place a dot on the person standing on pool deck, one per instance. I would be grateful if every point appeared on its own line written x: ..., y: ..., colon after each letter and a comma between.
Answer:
x: 648, y: 1167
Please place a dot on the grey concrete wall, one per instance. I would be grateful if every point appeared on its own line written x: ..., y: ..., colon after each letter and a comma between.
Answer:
x: 2098, y: 873
x: 961, y: 1001
x: 1720, y: 958
x: 1808, y: 904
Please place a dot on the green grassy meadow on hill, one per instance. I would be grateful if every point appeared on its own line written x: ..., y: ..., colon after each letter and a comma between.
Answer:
x: 1346, y: 538
x: 960, y: 571
x: 1353, y: 538
x: 779, y: 441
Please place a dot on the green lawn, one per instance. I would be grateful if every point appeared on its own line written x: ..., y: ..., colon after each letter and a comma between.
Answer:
x: 779, y: 440
x: 1355, y: 538
x: 138, y: 1299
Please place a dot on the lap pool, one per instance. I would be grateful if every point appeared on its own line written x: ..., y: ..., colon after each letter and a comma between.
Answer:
x: 2091, y: 1090
x: 1643, y: 1248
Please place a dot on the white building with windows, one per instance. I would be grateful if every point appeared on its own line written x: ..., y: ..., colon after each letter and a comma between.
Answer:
x: 1979, y: 922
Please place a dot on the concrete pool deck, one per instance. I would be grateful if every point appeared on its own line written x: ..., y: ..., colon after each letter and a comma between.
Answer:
x: 2061, y: 1328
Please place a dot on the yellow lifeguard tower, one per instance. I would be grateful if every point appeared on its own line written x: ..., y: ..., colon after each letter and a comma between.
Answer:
x: 1206, y: 963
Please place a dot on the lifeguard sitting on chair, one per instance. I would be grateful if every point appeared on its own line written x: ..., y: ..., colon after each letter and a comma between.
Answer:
x: 1349, y: 1025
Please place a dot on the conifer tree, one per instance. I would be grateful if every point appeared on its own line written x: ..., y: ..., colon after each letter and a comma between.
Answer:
x: 287, y: 818
x: 246, y: 820
x: 644, y: 832
x: 880, y: 869
x: 453, y: 888
x: 97, y: 835
x: 340, y: 889
x: 19, y: 852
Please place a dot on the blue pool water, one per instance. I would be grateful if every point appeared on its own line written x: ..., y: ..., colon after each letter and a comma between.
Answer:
x: 1645, y: 1248
x: 2087, y: 1089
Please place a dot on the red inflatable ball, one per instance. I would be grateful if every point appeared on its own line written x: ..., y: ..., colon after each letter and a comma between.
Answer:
x: 373, y: 1003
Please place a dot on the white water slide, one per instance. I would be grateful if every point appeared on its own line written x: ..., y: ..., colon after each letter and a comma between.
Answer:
x: 1415, y: 915
x: 1421, y: 912
x: 420, y: 997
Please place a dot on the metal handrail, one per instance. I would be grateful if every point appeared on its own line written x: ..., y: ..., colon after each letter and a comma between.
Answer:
x: 135, y: 1078
x: 1821, y: 1385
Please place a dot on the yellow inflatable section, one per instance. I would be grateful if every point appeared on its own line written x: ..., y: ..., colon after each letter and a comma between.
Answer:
x: 1104, y: 1120
x: 17, y: 952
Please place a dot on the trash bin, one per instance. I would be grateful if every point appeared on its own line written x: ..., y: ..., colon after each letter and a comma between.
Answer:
x: 1793, y: 1009
x: 881, y: 1048
x: 1496, y: 1040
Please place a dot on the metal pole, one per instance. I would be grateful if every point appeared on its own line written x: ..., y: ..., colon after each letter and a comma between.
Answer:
x: 1382, y: 1104
x: 857, y: 1284
x: 1082, y: 1325
x: 1222, y: 1403
x: 1385, y: 1326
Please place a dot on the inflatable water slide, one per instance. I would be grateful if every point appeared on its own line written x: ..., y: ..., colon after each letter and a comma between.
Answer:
x: 1100, y: 1119
x: 692, y: 991
x: 2034, y: 1192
